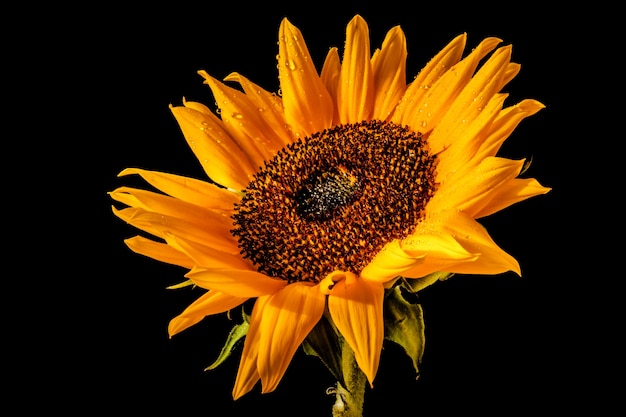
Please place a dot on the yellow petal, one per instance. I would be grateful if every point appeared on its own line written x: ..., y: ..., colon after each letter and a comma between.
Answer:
x: 508, y: 119
x: 159, y: 251
x: 288, y: 317
x: 308, y: 105
x: 440, y: 251
x: 330, y: 78
x: 392, y: 261
x: 460, y: 156
x: 389, y: 66
x: 355, y: 95
x: 211, y: 302
x: 191, y: 190
x: 243, y: 121
x: 483, y: 255
x: 236, y: 282
x: 222, y: 159
x: 514, y: 191
x: 248, y: 374
x: 426, y: 113
x: 473, y: 191
x: 207, y: 257
x: 435, y: 68
x: 356, y: 307
x: 160, y: 203
x: 216, y: 236
x: 472, y: 103
x: 269, y: 107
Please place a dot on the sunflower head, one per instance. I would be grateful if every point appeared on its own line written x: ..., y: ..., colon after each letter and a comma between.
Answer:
x: 331, y: 205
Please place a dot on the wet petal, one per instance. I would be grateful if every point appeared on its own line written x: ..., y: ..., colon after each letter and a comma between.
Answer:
x: 459, y: 158
x: 236, y: 282
x: 436, y: 67
x: 269, y: 106
x: 222, y: 159
x: 243, y: 121
x: 426, y: 113
x: 389, y: 66
x: 308, y: 105
x: 356, y: 307
x: 355, y: 95
x: 211, y: 302
x: 473, y: 99
x: 473, y: 191
x: 159, y: 251
x: 330, y: 78
x: 288, y: 317
x: 191, y: 190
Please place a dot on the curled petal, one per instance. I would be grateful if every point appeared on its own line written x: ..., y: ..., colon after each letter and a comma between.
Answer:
x: 392, y: 261
x: 216, y: 235
x: 207, y: 257
x: 159, y: 251
x: 516, y: 190
x: 211, y: 302
x: 356, y: 307
x: 159, y: 203
x: 190, y: 190
x: 483, y: 255
x: 508, y: 119
x: 236, y: 282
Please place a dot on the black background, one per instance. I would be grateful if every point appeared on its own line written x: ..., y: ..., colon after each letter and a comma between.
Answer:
x: 98, y: 341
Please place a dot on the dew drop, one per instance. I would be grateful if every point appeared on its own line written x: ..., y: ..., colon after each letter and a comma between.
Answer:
x: 291, y: 65
x: 236, y: 115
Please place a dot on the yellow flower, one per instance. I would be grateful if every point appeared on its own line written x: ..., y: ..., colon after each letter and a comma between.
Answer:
x: 329, y: 192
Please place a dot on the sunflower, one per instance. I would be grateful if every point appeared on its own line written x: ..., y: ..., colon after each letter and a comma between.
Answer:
x: 319, y: 198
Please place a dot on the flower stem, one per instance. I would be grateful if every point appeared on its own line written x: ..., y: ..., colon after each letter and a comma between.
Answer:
x: 349, y: 399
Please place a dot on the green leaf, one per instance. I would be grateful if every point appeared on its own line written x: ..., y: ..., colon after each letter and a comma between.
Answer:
x: 325, y: 343
x: 404, y: 322
x: 238, y: 332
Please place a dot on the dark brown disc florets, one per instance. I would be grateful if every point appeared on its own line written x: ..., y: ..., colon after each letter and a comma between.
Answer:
x: 332, y: 200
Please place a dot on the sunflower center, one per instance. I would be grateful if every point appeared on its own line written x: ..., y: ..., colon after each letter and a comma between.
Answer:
x: 325, y: 193
x: 331, y: 201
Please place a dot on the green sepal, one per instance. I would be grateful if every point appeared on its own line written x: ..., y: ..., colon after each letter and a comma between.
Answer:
x: 418, y: 284
x: 325, y: 342
x: 237, y: 333
x: 404, y: 322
